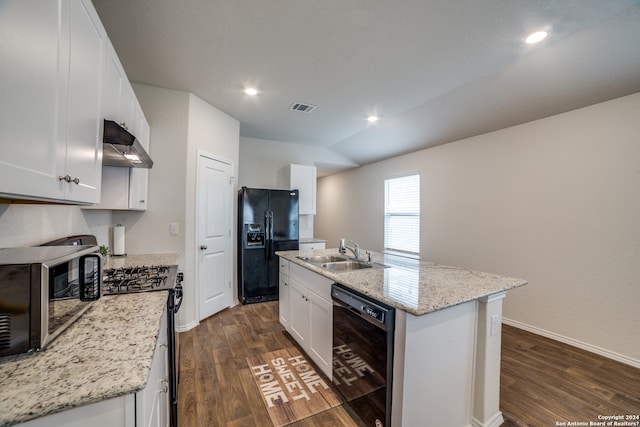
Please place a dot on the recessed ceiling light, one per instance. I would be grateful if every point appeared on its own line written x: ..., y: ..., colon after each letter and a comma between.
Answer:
x: 372, y: 119
x: 536, y: 37
x: 251, y: 91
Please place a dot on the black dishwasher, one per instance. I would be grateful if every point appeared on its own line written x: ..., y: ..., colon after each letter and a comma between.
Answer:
x: 363, y: 333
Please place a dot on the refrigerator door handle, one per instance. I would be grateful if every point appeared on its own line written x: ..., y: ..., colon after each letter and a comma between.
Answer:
x: 270, y: 231
x: 266, y: 235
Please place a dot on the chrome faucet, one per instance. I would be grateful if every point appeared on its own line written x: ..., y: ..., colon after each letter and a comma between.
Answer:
x: 356, y: 248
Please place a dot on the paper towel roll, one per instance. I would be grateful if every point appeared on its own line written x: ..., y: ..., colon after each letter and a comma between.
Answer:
x: 118, y: 240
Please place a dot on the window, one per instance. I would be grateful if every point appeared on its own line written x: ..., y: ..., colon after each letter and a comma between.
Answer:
x: 402, y: 215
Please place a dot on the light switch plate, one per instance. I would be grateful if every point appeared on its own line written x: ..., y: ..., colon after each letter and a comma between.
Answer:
x: 173, y: 228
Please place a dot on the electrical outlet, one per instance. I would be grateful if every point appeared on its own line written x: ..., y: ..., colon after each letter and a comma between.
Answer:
x: 495, y: 324
x: 173, y: 228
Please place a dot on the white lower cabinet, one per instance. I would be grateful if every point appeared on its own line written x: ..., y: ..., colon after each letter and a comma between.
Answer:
x: 320, y: 341
x: 309, y: 315
x: 152, y: 403
x: 299, y: 306
x: 147, y: 408
x: 284, y: 308
x: 118, y: 412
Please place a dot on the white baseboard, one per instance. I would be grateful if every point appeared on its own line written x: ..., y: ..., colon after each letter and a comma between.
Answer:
x: 575, y: 343
x: 191, y: 325
x: 188, y: 326
x: 495, y: 421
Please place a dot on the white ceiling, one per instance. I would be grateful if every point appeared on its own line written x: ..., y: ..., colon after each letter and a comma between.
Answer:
x: 435, y: 71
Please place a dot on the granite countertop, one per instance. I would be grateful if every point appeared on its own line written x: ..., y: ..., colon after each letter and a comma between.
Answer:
x: 140, y: 260
x: 417, y: 287
x: 106, y: 353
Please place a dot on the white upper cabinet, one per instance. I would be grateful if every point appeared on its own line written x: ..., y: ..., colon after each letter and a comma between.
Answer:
x: 123, y: 188
x: 114, y: 77
x: 138, y: 177
x: 88, y: 43
x: 29, y: 84
x: 127, y: 110
x: 303, y: 179
x: 52, y: 55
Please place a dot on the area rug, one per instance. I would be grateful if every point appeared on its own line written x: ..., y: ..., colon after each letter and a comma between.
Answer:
x: 290, y: 386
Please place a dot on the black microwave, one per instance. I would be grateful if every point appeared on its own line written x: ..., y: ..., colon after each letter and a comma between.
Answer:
x: 43, y: 290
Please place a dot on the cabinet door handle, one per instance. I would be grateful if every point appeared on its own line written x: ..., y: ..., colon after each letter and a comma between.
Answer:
x: 65, y: 178
x: 76, y: 180
x: 165, y: 386
x: 203, y: 247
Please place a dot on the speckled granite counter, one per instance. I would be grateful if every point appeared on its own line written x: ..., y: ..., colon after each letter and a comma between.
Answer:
x: 140, y: 260
x: 417, y: 287
x: 106, y: 353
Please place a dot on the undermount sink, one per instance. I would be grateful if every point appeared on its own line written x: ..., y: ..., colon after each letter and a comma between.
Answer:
x: 323, y: 259
x: 339, y: 263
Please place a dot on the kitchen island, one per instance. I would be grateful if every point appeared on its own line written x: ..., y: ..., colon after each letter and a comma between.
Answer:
x: 446, y: 367
x: 106, y: 354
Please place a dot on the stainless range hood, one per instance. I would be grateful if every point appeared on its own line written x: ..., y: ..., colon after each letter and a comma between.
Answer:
x: 122, y: 149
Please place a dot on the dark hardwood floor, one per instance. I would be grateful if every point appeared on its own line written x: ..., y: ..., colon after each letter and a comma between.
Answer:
x: 543, y: 382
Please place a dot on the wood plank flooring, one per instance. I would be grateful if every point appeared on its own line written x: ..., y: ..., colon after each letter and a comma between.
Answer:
x: 543, y: 381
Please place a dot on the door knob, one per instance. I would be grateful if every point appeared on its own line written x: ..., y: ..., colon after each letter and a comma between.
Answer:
x: 203, y: 247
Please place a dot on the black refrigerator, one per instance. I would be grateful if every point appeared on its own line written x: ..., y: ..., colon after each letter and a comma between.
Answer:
x: 267, y: 222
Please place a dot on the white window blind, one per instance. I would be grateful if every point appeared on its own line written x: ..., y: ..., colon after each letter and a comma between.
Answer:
x: 402, y: 214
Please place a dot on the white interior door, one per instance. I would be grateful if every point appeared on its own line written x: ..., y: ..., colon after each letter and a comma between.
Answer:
x: 214, y: 236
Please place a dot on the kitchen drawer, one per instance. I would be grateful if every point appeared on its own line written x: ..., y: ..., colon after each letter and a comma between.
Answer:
x: 284, y: 266
x: 313, y: 281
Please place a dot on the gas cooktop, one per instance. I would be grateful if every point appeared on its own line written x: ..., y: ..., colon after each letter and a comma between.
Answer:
x: 139, y: 279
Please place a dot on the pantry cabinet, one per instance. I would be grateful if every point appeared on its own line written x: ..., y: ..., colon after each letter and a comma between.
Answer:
x: 53, y: 60
x: 310, y: 312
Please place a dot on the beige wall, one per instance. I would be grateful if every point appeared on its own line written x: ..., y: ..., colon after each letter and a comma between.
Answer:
x: 215, y: 133
x: 148, y: 231
x: 263, y: 161
x: 31, y: 225
x: 555, y: 201
x: 181, y: 124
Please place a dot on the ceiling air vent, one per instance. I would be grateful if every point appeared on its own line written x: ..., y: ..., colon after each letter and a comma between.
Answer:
x: 304, y: 108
